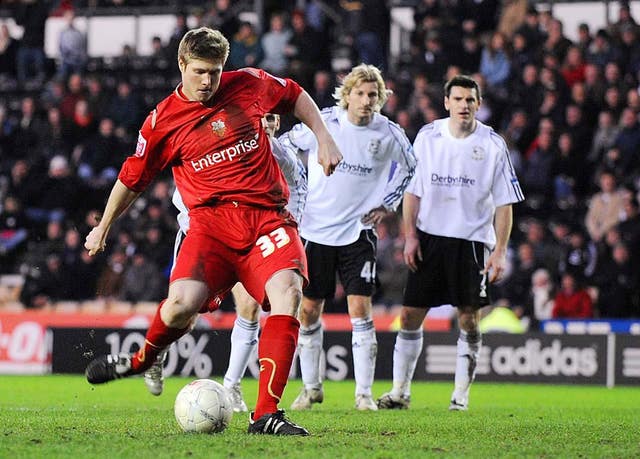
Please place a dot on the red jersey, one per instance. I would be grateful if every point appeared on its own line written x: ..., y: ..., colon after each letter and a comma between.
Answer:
x: 218, y: 151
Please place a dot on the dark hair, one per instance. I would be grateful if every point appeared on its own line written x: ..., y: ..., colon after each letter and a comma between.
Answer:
x: 463, y: 81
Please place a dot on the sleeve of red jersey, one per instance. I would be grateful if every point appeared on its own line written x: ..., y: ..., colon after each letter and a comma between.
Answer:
x: 153, y: 153
x: 277, y: 95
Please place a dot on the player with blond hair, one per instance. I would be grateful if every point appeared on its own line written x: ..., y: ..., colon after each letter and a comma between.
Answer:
x: 338, y: 222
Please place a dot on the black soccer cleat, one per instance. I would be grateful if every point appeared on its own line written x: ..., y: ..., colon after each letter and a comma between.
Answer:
x: 275, y: 424
x: 108, y: 367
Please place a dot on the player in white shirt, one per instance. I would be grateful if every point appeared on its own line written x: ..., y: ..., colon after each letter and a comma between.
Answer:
x: 338, y: 221
x: 244, y: 336
x: 457, y: 217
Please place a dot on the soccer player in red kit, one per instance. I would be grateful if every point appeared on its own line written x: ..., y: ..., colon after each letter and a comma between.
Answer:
x: 209, y: 132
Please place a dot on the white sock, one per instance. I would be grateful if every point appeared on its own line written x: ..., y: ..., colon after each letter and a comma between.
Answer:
x: 244, y: 338
x: 364, y: 346
x: 309, y: 351
x: 468, y: 351
x: 405, y: 357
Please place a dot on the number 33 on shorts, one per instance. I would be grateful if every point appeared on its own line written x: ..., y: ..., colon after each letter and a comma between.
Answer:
x: 274, y: 240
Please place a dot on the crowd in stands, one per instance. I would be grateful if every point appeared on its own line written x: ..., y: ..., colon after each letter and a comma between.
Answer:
x: 569, y: 111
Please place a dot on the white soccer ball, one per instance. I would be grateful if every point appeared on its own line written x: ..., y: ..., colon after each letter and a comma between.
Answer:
x: 203, y: 406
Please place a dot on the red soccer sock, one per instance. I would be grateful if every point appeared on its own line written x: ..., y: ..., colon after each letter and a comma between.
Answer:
x: 158, y: 337
x: 275, y: 351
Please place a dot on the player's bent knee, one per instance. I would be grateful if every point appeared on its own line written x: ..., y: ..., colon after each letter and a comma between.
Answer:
x: 290, y: 301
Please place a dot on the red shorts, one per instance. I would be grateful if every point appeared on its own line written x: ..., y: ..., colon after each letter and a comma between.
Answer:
x: 226, y: 244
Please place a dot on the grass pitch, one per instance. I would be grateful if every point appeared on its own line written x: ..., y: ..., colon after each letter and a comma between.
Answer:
x: 63, y: 416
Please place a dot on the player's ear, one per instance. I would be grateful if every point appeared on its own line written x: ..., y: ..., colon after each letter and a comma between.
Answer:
x: 182, y: 64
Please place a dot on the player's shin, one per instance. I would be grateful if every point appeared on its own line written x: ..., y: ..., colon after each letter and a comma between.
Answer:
x: 405, y: 358
x: 365, y: 349
x: 309, y: 352
x: 275, y: 352
x: 244, y: 338
x: 159, y: 336
x: 468, y: 351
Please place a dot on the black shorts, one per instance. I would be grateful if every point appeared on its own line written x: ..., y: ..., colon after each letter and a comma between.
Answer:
x: 449, y: 273
x: 355, y: 264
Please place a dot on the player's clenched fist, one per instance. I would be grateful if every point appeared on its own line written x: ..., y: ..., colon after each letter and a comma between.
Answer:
x: 329, y: 156
x: 95, y: 241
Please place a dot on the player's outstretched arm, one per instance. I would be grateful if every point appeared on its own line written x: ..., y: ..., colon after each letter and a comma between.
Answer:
x: 497, y: 262
x: 119, y: 200
x: 307, y: 111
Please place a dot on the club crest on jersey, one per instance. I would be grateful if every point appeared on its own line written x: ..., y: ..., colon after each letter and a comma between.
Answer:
x: 374, y: 147
x: 477, y: 153
x: 141, y: 146
x: 219, y: 127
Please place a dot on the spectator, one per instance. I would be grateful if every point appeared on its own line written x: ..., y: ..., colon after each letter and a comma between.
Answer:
x: 433, y: 60
x: 618, y: 285
x: 600, y: 51
x: 556, y: 43
x: 604, y: 138
x: 74, y: 93
x: 566, y: 172
x: 537, y: 180
x: 222, y: 17
x: 605, y: 207
x: 56, y: 137
x: 495, y: 64
x: 541, y: 298
x: 572, y: 301
x: 27, y: 137
x: 47, y: 285
x: 322, y: 92
x: 7, y: 131
x: 629, y: 227
x: 59, y: 195
x: 30, y: 63
x: 274, y: 44
x: 246, y: 50
x: 581, y: 256
x: 100, y: 158
x: 142, y: 280
x: 97, y: 97
x: 84, y: 272
x: 516, y: 287
x: 73, y: 48
x: 584, y: 37
x: 13, y: 233
x: 125, y: 108
x: 109, y: 283
x: 573, y: 66
x: 628, y: 140
x: 8, y: 53
x: 304, y: 51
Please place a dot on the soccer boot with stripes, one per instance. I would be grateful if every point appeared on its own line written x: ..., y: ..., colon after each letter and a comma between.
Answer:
x: 275, y: 424
x: 389, y: 401
x: 108, y: 368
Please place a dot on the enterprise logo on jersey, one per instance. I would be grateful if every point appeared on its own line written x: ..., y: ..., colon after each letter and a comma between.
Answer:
x: 448, y: 180
x: 354, y: 169
x: 211, y: 159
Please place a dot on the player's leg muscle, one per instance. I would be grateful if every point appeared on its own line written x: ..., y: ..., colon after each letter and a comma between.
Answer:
x: 184, y: 300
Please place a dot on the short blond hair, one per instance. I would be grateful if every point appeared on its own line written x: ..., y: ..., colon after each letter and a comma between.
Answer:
x: 203, y: 43
x: 362, y: 73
